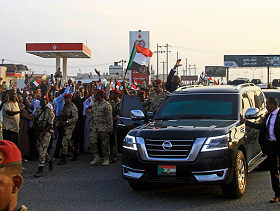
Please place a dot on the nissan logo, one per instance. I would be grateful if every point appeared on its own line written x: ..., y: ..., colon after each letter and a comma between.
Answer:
x: 166, y: 145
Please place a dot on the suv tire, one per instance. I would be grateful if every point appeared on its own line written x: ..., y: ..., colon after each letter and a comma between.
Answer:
x: 141, y: 186
x: 236, y: 188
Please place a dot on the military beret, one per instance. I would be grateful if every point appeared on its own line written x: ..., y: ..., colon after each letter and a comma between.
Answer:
x: 100, y: 91
x: 116, y: 91
x: 157, y: 81
x: 9, y: 154
x: 67, y: 96
x: 141, y: 93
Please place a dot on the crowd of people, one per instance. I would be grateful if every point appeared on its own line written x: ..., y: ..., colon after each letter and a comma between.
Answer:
x: 82, y: 118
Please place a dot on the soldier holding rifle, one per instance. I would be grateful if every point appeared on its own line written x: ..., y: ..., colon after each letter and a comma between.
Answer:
x: 43, y: 122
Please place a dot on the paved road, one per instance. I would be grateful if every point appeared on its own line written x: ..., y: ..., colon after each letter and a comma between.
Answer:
x: 79, y: 186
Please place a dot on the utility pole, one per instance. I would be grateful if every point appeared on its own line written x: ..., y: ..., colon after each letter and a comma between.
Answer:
x: 157, y: 61
x: 166, y: 55
x: 167, y: 58
x: 186, y: 65
x: 163, y: 70
x: 186, y: 73
x: 177, y: 60
x: 192, y: 67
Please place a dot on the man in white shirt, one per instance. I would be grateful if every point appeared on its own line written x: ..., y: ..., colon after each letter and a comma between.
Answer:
x: 11, y: 118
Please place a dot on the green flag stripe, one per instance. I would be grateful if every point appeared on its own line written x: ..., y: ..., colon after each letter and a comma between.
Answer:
x: 131, y: 58
x: 160, y: 170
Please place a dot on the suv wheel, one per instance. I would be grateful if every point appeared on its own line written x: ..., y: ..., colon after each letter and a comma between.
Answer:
x: 236, y: 188
x: 141, y: 186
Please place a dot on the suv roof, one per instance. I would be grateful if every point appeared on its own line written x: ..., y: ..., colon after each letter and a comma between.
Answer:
x: 218, y: 89
x: 239, y: 81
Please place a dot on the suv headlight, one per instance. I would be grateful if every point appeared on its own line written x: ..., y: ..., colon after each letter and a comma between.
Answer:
x: 129, y: 142
x: 216, y: 143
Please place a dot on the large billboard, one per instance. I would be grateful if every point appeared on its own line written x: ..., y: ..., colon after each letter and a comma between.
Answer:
x: 141, y: 38
x: 215, y: 71
x: 251, y: 60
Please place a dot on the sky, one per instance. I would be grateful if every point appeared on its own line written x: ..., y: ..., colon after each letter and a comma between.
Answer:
x: 203, y: 31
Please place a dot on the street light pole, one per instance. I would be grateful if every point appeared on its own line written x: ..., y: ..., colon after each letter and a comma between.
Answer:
x: 122, y: 61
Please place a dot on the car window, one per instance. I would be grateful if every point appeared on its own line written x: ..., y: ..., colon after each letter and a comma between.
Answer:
x: 212, y: 106
x: 197, y: 107
x: 130, y: 103
x: 259, y: 100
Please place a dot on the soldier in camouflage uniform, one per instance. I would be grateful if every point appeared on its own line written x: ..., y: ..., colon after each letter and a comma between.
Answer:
x: 101, y: 126
x: 115, y: 103
x: 67, y: 119
x: 43, y: 122
x: 157, y: 97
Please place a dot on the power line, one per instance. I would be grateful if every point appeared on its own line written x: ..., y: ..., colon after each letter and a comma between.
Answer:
x: 218, y: 52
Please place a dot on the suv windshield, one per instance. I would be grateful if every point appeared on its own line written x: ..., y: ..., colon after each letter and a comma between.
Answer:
x: 199, y: 106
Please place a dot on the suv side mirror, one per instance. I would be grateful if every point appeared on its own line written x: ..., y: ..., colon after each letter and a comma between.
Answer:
x: 137, y: 115
x: 252, y: 113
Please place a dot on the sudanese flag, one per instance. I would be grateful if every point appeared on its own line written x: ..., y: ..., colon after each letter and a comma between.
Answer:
x: 139, y: 59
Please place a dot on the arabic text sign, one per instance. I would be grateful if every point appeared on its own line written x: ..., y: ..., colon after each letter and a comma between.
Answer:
x: 251, y: 60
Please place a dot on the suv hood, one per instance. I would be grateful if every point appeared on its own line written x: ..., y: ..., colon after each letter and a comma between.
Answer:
x: 180, y: 129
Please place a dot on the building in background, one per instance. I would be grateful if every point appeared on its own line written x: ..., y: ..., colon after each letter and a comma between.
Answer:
x: 12, y: 72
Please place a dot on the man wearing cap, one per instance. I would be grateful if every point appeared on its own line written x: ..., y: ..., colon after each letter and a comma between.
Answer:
x: 42, y: 124
x: 67, y: 119
x: 10, y: 176
x: 142, y: 96
x: 157, y: 97
x: 59, y: 103
x: 101, y: 126
x: 115, y: 103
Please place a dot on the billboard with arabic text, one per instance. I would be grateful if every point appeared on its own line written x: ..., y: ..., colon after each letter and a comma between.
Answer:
x: 251, y: 60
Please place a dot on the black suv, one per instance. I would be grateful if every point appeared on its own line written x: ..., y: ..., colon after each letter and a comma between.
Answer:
x: 276, y: 82
x: 197, y: 136
x: 238, y: 81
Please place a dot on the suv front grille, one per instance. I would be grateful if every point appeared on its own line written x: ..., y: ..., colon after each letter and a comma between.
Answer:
x: 168, y: 148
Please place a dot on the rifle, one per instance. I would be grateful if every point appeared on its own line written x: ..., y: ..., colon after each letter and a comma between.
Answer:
x: 35, y: 125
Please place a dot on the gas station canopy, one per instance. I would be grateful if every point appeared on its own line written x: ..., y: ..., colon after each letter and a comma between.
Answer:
x: 58, y: 51
x: 51, y: 50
